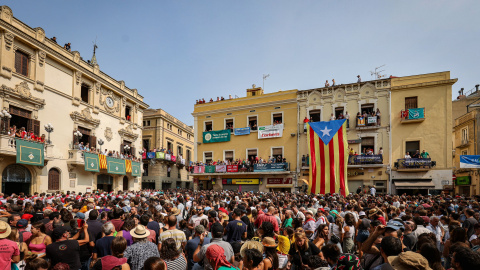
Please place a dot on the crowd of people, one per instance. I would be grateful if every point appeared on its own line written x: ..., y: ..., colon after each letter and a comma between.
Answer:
x: 243, y: 163
x: 417, y: 154
x: 22, y: 133
x: 227, y: 230
x: 110, y: 153
x: 202, y: 100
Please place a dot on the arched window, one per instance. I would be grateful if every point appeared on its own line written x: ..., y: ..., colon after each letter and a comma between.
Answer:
x: 53, y: 179
x: 17, y: 174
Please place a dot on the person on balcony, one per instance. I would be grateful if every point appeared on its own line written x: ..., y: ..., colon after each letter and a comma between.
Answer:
x: 378, y: 114
x: 332, y: 117
x: 347, y: 117
x: 380, y: 152
x: 424, y: 154
x: 407, y: 155
x: 417, y: 154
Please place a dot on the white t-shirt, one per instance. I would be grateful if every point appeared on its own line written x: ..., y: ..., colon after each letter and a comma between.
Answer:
x: 196, y: 220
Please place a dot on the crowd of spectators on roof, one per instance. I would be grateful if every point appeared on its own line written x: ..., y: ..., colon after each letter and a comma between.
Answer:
x: 202, y: 100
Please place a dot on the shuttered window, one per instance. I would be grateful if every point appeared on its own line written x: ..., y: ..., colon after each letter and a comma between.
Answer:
x: 228, y: 155
x: 53, y: 179
x: 277, y: 151
x: 252, y: 152
x: 21, y: 63
x: 411, y: 103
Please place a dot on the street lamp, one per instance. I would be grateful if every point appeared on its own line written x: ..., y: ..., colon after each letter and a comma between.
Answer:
x: 126, y: 148
x: 141, y: 152
x: 77, y: 134
x: 49, y: 129
x: 5, y: 116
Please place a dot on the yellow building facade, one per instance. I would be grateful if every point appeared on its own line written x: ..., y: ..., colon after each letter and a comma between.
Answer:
x: 350, y: 99
x: 252, y: 116
x: 421, y: 119
x: 163, y: 131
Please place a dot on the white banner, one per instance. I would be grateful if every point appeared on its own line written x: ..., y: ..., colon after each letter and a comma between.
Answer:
x: 273, y: 131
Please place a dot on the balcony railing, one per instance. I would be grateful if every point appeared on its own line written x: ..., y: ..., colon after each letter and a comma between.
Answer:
x: 412, y: 115
x: 414, y: 163
x: 8, y: 146
x: 243, y: 168
x: 369, y: 122
x: 365, y: 160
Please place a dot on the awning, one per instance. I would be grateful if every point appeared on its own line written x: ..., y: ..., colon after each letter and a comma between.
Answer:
x: 279, y: 186
x: 304, y: 181
x: 414, y: 184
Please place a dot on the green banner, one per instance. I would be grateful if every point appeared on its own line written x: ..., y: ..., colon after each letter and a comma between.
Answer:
x: 209, y: 169
x: 136, y: 170
x: 160, y: 155
x: 91, y: 162
x: 116, y: 166
x: 30, y: 153
x: 216, y: 136
x: 463, y: 180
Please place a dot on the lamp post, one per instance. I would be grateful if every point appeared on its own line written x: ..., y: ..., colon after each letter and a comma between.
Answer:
x: 49, y: 129
x: 77, y: 134
x: 101, y: 142
x: 126, y: 148
x: 5, y: 116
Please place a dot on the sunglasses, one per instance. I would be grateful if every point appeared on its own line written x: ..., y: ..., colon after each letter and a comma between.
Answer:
x: 199, y: 209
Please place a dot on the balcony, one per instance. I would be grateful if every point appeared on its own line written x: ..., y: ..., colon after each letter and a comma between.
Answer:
x: 367, y: 123
x: 8, y: 147
x: 75, y: 157
x: 414, y: 115
x: 267, y: 168
x: 414, y: 164
x: 362, y: 161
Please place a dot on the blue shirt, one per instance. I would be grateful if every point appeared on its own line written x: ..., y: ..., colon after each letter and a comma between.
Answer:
x: 191, y: 247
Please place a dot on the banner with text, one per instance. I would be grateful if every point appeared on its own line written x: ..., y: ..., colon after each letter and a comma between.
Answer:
x: 198, y: 169
x: 232, y: 168
x: 241, y: 131
x: 240, y: 181
x: 272, y: 131
x: 216, y: 136
x: 150, y: 155
x: 270, y: 167
x: 209, y: 169
x: 30, y: 153
x: 91, y: 162
x: 470, y: 161
x: 221, y: 168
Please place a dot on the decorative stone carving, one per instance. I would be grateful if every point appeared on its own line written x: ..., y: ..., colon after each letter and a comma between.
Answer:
x: 8, y: 40
x: 6, y: 14
x: 97, y: 87
x: 127, y: 133
x: 40, y: 34
x: 122, y: 85
x: 41, y: 58
x: 124, y: 102
x: 85, y: 118
x: 136, y: 108
x: 20, y: 96
x: 76, y: 56
x: 78, y: 76
x: 23, y: 90
x: 86, y: 113
x: 108, y: 134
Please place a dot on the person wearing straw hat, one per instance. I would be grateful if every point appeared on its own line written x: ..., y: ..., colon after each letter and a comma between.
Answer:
x: 10, y: 253
x: 271, y: 258
x: 142, y: 249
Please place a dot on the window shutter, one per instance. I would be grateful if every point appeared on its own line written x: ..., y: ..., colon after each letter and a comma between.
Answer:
x: 18, y: 62
x: 252, y: 152
x: 93, y: 141
x: 229, y: 155
x: 24, y: 65
x: 29, y: 125
x: 36, y: 127
x: 132, y: 151
x: 122, y: 151
x: 411, y: 103
x: 277, y: 151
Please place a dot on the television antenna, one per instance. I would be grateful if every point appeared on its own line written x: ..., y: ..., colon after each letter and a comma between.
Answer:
x: 377, y: 73
x: 265, y: 76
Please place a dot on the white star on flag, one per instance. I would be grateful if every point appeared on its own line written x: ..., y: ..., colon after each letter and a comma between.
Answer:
x: 326, y: 131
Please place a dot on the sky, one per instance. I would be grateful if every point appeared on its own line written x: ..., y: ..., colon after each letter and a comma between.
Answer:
x: 175, y: 52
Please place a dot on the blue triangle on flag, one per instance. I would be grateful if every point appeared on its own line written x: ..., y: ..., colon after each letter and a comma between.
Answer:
x: 326, y: 130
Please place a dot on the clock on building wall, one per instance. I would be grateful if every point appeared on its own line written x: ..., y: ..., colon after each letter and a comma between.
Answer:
x: 109, y: 101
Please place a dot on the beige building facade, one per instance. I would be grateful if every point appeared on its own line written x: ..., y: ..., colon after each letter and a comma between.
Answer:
x: 41, y: 82
x: 163, y: 131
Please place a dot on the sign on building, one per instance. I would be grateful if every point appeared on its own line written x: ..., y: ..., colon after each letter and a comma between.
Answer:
x: 216, y: 136
x: 272, y: 131
x: 470, y: 161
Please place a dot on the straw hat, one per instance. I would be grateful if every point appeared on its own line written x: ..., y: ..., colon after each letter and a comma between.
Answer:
x: 5, y: 230
x: 251, y: 245
x: 409, y: 260
x: 269, y: 242
x: 140, y: 232
x: 175, y: 211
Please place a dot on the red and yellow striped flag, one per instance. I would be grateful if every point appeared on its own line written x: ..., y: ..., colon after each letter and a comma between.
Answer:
x: 128, y: 165
x: 103, y: 161
x: 328, y: 148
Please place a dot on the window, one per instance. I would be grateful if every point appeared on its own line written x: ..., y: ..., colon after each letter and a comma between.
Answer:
x: 169, y: 126
x: 178, y: 174
x: 208, y: 125
x: 179, y: 151
x: 465, y: 135
x: 146, y: 144
x: 146, y: 123
x: 465, y: 152
x: 207, y: 157
x: 169, y: 169
x: 145, y: 169
x: 368, y: 145
x: 84, y: 91
x: 229, y: 124
x: 368, y: 108
x: 277, y: 118
x: 412, y: 147
x: 21, y: 63
x: 128, y: 110
x: 180, y: 132
x: 411, y: 103
x: 314, y: 115
x: 252, y: 122
x: 228, y: 155
x: 187, y: 160
x: 170, y: 146
x: 339, y: 112
x: 189, y: 136
x: 251, y: 154
x: 277, y: 153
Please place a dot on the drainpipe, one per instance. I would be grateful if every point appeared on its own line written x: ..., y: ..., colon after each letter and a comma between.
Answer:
x: 389, y: 166
x: 298, y: 169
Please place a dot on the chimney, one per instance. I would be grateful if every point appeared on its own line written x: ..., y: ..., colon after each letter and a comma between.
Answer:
x: 460, y: 94
x: 461, y: 91
x: 476, y: 87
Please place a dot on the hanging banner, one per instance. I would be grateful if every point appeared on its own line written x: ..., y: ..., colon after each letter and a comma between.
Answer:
x: 209, y: 169
x: 221, y: 168
x: 241, y: 131
x: 270, y: 167
x: 150, y: 155
x: 91, y: 162
x: 173, y: 158
x: 216, y: 136
x: 115, y: 166
x: 372, y: 120
x: 365, y: 159
x: 144, y: 155
x: 198, y: 169
x: 168, y: 157
x: 470, y: 161
x: 361, y: 121
x: 272, y: 131
x: 128, y: 166
x: 30, y: 153
x: 182, y: 161
x: 417, y: 113
x: 136, y: 170
x: 232, y: 168
x: 160, y: 155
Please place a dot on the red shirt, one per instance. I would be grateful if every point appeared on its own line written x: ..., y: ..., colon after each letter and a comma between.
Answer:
x: 267, y: 217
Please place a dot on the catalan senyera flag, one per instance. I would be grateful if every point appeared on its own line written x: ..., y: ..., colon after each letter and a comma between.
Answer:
x: 328, y: 148
x: 128, y: 165
x: 103, y: 161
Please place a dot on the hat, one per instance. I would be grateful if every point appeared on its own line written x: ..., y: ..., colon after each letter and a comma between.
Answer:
x: 362, y: 213
x: 216, y: 228
x: 372, y: 212
x: 5, y: 229
x: 251, y: 244
x: 242, y: 208
x: 327, y: 209
x: 426, y: 219
x: 396, y: 225
x: 309, y: 212
x: 140, y: 232
x: 22, y: 223
x: 175, y: 211
x: 90, y: 200
x: 269, y: 242
x: 283, y: 244
x: 58, y: 232
x: 348, y: 261
x: 80, y: 215
x: 199, y: 229
x: 409, y: 260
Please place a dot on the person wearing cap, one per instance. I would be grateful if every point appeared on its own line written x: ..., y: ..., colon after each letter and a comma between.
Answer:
x: 193, y: 243
x: 10, y: 253
x: 236, y: 230
x: 142, y: 248
x: 309, y: 225
x: 173, y: 232
x: 25, y: 235
x: 65, y: 250
x: 217, y: 239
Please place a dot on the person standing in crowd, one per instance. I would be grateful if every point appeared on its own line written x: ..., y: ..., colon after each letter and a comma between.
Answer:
x: 109, y: 262
x: 174, y: 233
x: 173, y: 257
x: 64, y: 250
x: 193, y: 244
x: 236, y: 230
x: 217, y: 235
x: 142, y: 248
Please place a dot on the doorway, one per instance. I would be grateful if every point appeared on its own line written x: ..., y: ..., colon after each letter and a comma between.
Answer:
x: 53, y: 179
x: 105, y: 182
x: 16, y: 179
x: 125, y: 183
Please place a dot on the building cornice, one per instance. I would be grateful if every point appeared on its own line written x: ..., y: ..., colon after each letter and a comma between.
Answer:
x: 423, y: 85
x: 68, y: 62
x: 249, y: 106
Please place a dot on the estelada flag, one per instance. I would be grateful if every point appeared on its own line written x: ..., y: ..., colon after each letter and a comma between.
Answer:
x: 328, y: 148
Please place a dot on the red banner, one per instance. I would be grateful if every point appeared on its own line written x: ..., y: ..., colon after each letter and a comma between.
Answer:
x: 232, y: 168
x: 274, y: 181
x: 198, y: 169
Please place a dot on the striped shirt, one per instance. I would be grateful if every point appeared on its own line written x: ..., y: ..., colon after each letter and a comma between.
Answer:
x: 177, y: 264
x: 177, y: 235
